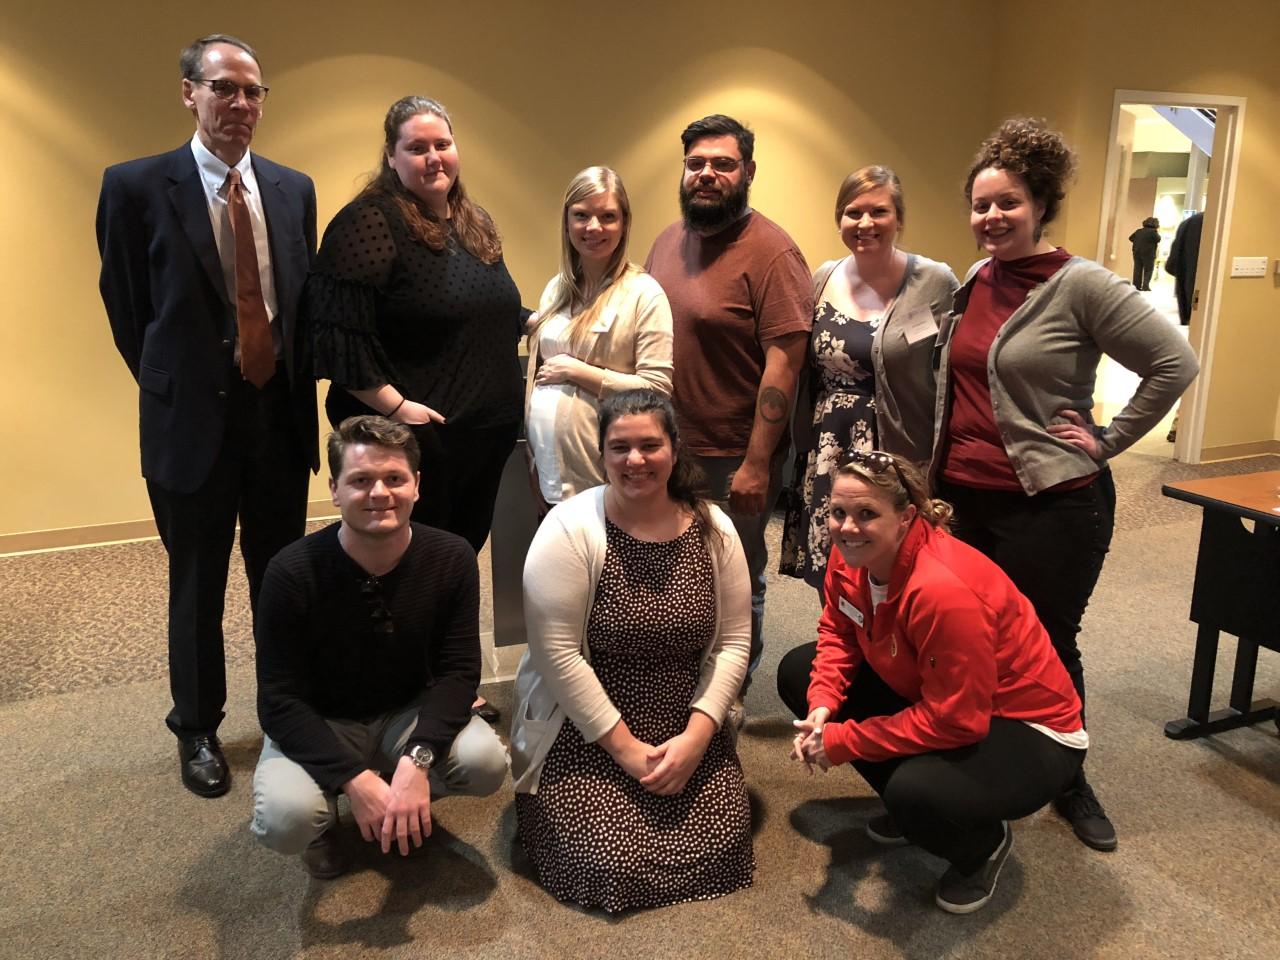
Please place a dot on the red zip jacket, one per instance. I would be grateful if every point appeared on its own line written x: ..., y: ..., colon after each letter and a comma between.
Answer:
x: 954, y: 636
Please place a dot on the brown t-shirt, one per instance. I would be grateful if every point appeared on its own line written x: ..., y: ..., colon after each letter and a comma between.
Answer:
x: 730, y: 294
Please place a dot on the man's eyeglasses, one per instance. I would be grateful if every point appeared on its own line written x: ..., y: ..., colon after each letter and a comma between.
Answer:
x: 874, y: 462
x: 227, y: 89
x: 718, y: 164
x: 371, y: 590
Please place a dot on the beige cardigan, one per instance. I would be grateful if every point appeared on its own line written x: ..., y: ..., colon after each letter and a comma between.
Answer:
x: 634, y: 352
x: 555, y: 679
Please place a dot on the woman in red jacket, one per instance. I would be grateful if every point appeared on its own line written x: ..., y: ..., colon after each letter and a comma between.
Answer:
x: 933, y: 677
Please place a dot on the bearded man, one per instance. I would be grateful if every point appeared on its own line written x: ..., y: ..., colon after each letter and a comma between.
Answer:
x: 742, y: 309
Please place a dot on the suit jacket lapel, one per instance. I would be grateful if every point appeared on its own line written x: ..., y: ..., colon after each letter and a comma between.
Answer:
x: 276, y: 211
x: 280, y: 227
x: 188, y: 199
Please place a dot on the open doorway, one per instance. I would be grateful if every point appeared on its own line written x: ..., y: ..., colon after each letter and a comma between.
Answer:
x: 1170, y: 155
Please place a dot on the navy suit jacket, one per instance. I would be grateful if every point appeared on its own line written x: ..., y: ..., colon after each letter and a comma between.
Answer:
x: 172, y: 319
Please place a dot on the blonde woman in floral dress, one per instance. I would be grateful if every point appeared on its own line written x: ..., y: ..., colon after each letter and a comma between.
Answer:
x: 870, y: 382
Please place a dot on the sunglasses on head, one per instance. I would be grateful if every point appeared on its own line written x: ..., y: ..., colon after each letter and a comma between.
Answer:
x: 874, y: 462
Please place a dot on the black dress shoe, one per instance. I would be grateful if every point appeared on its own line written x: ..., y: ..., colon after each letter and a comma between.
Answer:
x: 204, y: 768
x: 487, y: 712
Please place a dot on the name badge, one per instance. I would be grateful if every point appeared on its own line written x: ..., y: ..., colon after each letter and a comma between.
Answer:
x: 918, y: 324
x: 605, y: 320
x: 850, y: 611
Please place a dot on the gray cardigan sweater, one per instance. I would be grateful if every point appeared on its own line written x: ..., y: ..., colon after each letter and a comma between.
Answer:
x: 904, y: 375
x: 1045, y: 358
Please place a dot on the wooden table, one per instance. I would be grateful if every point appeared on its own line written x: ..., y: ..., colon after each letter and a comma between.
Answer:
x: 1237, y: 591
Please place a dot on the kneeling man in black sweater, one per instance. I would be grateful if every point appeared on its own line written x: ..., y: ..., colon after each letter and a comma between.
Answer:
x: 368, y: 661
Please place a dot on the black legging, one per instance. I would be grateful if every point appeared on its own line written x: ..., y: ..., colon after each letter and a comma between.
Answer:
x: 1142, y: 270
x: 949, y: 802
x: 461, y: 471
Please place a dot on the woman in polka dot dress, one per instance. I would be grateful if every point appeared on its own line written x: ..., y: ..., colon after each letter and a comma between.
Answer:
x: 639, y: 616
x: 414, y: 316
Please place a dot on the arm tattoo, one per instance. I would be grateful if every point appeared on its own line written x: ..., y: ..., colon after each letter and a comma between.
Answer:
x: 772, y: 405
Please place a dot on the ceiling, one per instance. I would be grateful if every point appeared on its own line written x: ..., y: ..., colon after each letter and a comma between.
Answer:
x: 1152, y: 133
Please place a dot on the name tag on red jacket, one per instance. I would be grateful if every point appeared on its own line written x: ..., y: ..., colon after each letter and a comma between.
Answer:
x: 850, y: 611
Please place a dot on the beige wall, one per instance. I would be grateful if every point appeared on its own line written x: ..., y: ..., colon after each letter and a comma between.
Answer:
x: 828, y: 86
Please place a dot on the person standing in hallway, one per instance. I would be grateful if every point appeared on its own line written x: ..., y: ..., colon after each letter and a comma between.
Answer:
x: 742, y: 308
x: 1183, y: 256
x: 1015, y: 449
x: 1146, y: 241
x: 205, y: 250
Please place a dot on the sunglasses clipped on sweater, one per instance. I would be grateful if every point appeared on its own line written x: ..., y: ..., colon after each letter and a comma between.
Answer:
x: 371, y: 590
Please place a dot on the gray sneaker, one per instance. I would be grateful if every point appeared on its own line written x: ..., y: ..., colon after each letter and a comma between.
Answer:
x: 965, y: 893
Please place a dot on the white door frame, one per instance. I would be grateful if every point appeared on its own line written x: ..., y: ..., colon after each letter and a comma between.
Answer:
x: 1213, y: 251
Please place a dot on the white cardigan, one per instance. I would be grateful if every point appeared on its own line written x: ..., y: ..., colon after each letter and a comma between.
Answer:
x: 555, y: 679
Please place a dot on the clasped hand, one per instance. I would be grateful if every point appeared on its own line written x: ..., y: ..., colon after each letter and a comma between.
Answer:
x: 807, y: 746
x: 398, y: 812
x: 665, y: 769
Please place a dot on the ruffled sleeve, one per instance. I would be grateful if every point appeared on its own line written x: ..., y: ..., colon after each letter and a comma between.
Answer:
x: 352, y: 269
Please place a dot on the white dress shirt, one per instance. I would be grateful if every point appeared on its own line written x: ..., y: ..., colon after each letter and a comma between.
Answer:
x: 213, y: 176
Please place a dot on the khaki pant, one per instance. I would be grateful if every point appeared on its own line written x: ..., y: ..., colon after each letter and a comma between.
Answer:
x: 290, y: 810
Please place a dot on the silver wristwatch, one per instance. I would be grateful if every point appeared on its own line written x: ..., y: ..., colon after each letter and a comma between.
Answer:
x: 422, y: 757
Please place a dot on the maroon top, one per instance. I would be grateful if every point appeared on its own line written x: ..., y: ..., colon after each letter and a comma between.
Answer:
x: 975, y: 455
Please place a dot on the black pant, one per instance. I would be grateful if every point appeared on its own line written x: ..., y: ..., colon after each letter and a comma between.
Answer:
x: 260, y: 476
x: 1051, y: 546
x: 461, y: 471
x: 949, y: 802
x: 1142, y: 270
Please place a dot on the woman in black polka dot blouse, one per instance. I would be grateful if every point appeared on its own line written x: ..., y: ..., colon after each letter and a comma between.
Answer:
x: 415, y: 317
x: 628, y: 788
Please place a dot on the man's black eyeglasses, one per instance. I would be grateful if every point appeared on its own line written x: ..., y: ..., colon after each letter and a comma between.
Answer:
x: 371, y: 590
x: 718, y: 164
x: 227, y: 89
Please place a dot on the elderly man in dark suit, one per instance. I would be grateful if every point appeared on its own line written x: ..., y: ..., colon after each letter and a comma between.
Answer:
x: 204, y: 254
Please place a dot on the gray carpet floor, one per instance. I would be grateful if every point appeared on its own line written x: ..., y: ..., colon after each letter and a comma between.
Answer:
x: 105, y: 855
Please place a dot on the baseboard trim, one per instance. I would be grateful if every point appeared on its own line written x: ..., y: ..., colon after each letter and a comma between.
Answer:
x: 1238, y: 451
x: 100, y: 534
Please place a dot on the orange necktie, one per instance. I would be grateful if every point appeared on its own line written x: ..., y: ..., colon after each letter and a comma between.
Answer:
x: 257, y: 353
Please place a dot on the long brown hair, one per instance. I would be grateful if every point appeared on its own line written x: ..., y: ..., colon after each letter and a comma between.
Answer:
x: 572, y: 294
x: 471, y: 224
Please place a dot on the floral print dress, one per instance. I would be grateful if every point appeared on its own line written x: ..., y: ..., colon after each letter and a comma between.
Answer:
x: 843, y: 386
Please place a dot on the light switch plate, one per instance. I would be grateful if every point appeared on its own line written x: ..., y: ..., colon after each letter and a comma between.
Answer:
x: 1248, y: 266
